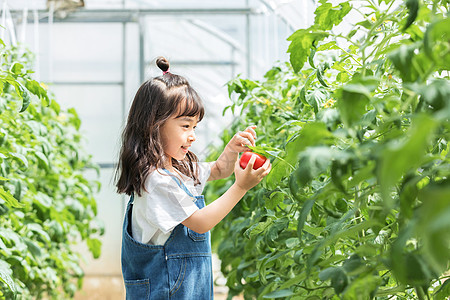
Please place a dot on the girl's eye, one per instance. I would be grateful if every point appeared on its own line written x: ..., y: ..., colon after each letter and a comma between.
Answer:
x: 187, y: 126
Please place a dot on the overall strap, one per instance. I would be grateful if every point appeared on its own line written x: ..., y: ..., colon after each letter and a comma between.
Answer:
x: 180, y: 183
x: 131, y: 198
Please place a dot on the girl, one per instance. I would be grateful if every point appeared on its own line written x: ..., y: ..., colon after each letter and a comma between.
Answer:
x: 166, y: 250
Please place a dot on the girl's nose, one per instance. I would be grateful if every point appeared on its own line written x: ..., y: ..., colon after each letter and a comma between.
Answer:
x: 192, y: 137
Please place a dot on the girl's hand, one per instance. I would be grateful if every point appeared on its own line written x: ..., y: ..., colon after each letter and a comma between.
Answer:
x: 239, y: 141
x: 248, y: 178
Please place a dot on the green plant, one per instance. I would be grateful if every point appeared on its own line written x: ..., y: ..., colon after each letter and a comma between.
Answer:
x: 46, y: 203
x: 357, y: 128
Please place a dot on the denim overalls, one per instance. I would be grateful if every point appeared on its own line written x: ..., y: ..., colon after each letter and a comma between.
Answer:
x: 179, y: 269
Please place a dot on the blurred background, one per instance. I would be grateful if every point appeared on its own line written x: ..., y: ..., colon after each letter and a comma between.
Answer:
x: 94, y: 54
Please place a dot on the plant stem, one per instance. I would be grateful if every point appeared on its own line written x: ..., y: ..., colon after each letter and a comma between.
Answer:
x: 350, y: 56
x: 420, y: 293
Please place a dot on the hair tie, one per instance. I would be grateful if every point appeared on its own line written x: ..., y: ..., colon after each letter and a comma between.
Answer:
x: 165, y: 72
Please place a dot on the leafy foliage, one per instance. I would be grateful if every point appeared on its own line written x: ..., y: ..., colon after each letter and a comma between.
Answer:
x: 357, y: 205
x: 46, y: 203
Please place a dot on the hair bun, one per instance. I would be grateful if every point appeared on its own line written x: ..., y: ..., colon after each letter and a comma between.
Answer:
x: 162, y: 63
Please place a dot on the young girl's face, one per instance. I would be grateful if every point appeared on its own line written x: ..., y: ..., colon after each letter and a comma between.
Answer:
x: 177, y: 136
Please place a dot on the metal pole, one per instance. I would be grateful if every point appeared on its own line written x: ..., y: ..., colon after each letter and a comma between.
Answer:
x: 129, y: 15
x: 267, y: 41
x: 247, y: 36
x: 50, y: 41
x: 141, y: 49
x: 124, y: 42
x: 36, y: 43
x: 275, y: 34
x: 233, y: 68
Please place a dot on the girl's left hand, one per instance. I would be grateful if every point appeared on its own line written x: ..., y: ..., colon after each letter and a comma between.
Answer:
x: 239, y: 141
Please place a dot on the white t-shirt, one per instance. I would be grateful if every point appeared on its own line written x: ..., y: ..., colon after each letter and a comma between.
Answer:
x: 165, y: 205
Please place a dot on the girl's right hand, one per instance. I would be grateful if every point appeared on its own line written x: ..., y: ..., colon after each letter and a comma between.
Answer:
x: 248, y: 178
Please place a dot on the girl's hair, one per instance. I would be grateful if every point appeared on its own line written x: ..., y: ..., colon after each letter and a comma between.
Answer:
x: 142, y: 152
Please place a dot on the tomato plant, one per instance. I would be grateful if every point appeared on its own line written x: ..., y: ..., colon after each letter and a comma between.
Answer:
x: 245, y: 157
x: 46, y: 202
x: 357, y: 125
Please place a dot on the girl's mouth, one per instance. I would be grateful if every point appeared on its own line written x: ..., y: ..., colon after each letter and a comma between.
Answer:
x: 185, y: 149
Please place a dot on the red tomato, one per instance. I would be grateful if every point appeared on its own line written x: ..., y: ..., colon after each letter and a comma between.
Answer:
x: 260, y: 159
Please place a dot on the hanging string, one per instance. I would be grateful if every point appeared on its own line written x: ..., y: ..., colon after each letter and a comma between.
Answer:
x: 5, y: 3
x: 23, y: 30
x: 10, y: 27
x: 50, y: 41
x: 36, y: 42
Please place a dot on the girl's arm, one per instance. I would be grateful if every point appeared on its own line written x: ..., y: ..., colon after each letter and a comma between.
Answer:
x: 224, y: 165
x: 206, y: 218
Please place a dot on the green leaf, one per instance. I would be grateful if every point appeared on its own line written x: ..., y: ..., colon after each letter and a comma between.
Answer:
x: 301, y: 43
x: 74, y: 119
x: 279, y: 294
x: 362, y: 288
x: 400, y: 156
x: 33, y: 248
x: 316, y: 231
x: 436, y: 93
x: 436, y: 42
x: 327, y: 15
x: 408, y: 195
x: 16, y: 68
x: 367, y: 249
x: 35, y: 88
x: 315, y: 161
x: 43, y: 200
x: 37, y: 228
x: 353, y: 263
x: 43, y: 160
x: 433, y: 226
x: 328, y: 273
x: 443, y: 292
x: 366, y: 24
x: 330, y: 117
x: 26, y: 101
x: 355, y: 96
x: 315, y: 98
x: 294, y: 187
x: 311, y: 134
x: 328, y: 46
x: 397, y: 255
x: 292, y: 242
x: 6, y: 276
x: 320, y: 77
x: 306, y: 208
x: 274, y: 200
x: 95, y: 246
x: 338, y: 278
x: 311, y: 56
x: 272, y: 234
x: 293, y: 281
x: 413, y: 8
x: 20, y: 158
x: 411, y: 66
x: 258, y: 228
x: 9, y: 199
